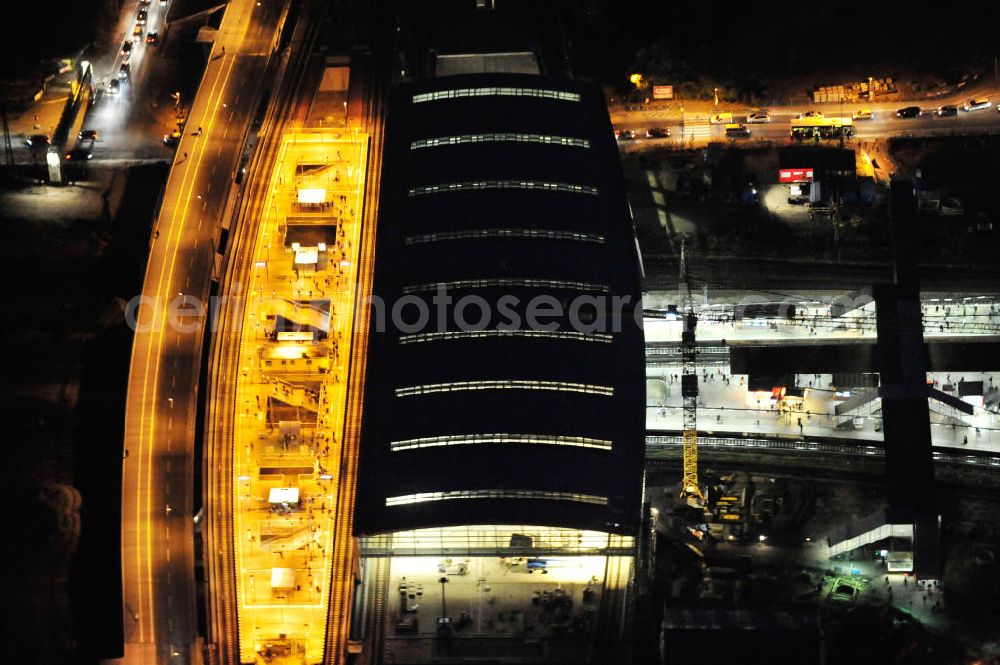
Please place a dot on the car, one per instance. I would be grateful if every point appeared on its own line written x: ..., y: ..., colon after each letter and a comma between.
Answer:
x: 737, y: 130
x: 172, y: 139
x: 951, y: 207
x: 126, y: 48
x: 984, y: 555
x: 908, y: 112
x: 809, y: 114
x: 862, y: 114
x: 141, y: 17
x: 976, y: 104
x: 114, y: 86
x: 658, y: 133
x: 946, y: 110
x: 144, y: 3
x: 37, y: 140
x: 624, y: 134
x: 163, y: 3
x: 760, y: 116
x: 152, y: 38
x: 79, y: 155
x: 721, y: 118
x: 124, y: 70
x: 89, y: 135
x: 137, y: 31
x: 843, y: 592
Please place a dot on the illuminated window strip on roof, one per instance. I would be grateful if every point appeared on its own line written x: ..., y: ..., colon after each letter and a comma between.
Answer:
x: 501, y: 438
x: 424, y: 497
x: 447, y: 335
x: 496, y: 91
x: 487, y: 234
x: 499, y: 137
x: 505, y: 384
x: 505, y: 281
x: 476, y: 185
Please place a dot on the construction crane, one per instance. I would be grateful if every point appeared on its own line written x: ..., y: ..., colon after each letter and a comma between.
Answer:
x: 690, y: 488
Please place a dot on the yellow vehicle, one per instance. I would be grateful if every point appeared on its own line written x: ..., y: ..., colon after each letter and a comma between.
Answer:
x: 722, y: 118
x: 737, y: 130
x: 863, y: 114
x: 818, y: 127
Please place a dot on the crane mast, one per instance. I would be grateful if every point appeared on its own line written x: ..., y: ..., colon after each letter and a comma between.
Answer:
x: 690, y: 488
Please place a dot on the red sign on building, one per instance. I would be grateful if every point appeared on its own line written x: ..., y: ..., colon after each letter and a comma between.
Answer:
x: 663, y: 92
x: 795, y: 175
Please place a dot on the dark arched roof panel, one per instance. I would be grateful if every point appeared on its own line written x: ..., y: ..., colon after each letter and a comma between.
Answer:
x: 504, y: 191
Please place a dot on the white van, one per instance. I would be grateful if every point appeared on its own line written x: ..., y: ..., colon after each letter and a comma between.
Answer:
x: 976, y: 104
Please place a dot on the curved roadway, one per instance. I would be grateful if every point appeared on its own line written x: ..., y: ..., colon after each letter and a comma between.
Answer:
x: 157, y: 526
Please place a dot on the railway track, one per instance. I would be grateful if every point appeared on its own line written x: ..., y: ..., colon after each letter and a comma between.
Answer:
x: 339, y: 614
x: 663, y: 444
x: 610, y: 627
x: 221, y: 412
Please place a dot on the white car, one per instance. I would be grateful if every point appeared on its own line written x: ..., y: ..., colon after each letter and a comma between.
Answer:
x: 976, y: 104
x: 761, y: 116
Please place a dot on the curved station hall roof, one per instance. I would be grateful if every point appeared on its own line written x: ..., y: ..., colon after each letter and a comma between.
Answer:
x: 505, y: 378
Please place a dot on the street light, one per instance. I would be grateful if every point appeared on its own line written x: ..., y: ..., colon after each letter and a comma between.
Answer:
x: 871, y: 90
x: 715, y: 92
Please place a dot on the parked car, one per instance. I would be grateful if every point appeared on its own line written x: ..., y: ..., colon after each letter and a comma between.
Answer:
x: 658, y: 133
x: 79, y: 155
x: 863, y: 114
x: 172, y: 139
x: 737, y: 131
x: 760, y: 116
x: 908, y: 112
x: 976, y: 104
x: 946, y: 110
x: 950, y: 207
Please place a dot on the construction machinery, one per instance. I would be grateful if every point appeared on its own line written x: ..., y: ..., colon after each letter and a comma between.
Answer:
x: 690, y: 488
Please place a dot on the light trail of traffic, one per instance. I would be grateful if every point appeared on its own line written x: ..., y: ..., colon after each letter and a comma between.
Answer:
x: 157, y: 565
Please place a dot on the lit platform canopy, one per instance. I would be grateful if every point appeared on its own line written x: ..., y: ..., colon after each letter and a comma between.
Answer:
x: 282, y: 578
x: 312, y: 196
x: 496, y: 540
x: 289, y: 495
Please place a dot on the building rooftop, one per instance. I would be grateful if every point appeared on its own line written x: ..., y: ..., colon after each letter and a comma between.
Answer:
x: 504, y: 194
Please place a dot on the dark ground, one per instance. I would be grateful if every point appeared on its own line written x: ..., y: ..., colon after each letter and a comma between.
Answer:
x: 63, y: 396
x: 751, y: 47
x: 739, y: 246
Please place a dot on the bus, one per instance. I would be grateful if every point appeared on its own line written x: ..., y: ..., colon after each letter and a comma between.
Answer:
x: 819, y: 127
